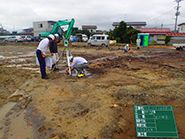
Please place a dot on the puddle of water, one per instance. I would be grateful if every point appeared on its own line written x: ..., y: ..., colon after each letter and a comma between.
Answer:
x: 14, y: 65
x: 20, y: 56
x: 1, y: 56
x: 6, y: 108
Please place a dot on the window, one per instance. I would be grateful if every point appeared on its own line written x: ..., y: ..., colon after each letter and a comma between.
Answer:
x: 103, y: 37
x: 51, y: 25
x: 39, y: 25
x: 161, y: 37
x: 98, y: 38
x: 93, y: 38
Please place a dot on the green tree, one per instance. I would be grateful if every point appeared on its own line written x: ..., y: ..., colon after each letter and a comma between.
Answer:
x: 77, y: 31
x: 132, y: 34
x: 110, y: 33
x: 167, y: 39
x: 86, y: 32
x: 122, y: 34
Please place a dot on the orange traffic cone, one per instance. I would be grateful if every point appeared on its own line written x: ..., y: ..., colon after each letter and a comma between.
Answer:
x: 131, y: 45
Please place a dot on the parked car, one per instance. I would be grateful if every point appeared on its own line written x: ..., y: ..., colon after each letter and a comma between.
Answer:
x: 84, y: 38
x: 14, y: 39
x: 102, y: 40
x: 27, y: 38
x: 35, y: 38
x: 73, y: 39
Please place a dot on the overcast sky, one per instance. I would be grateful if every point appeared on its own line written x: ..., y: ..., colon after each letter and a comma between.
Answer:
x: 20, y: 14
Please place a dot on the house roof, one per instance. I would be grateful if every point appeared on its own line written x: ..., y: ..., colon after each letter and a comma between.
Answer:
x: 175, y: 34
x: 28, y: 28
x: 89, y: 27
x: 154, y: 31
x: 181, y: 24
x: 130, y: 23
x: 3, y: 30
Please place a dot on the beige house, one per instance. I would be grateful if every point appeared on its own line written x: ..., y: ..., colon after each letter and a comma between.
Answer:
x: 132, y: 24
x: 182, y: 28
x: 156, y: 34
x: 91, y: 29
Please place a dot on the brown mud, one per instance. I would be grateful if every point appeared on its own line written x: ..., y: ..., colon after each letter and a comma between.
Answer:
x: 97, y: 106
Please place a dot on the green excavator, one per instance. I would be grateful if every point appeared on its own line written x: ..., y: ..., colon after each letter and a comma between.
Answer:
x: 58, y: 30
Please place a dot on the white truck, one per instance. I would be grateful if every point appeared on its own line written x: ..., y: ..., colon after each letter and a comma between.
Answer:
x: 179, y: 46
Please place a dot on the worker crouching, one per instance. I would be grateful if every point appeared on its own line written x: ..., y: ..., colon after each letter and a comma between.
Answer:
x: 78, y: 63
x: 126, y: 48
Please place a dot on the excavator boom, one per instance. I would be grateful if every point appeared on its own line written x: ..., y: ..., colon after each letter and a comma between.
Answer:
x: 57, y: 26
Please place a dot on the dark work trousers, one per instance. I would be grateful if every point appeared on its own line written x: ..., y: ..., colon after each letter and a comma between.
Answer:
x: 41, y: 62
x: 80, y: 67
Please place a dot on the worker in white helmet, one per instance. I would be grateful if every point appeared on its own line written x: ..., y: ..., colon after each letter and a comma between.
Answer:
x: 54, y: 52
x: 78, y: 63
x: 41, y: 54
x: 126, y: 48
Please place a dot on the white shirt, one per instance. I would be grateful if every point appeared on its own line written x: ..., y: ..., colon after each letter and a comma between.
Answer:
x: 43, y: 45
x: 78, y: 61
x: 127, y: 47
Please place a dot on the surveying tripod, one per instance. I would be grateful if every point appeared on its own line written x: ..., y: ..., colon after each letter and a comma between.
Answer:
x: 66, y: 44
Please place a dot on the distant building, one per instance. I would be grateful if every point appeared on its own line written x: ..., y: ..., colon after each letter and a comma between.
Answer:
x: 42, y: 26
x: 156, y: 34
x: 3, y: 31
x: 91, y: 29
x: 28, y: 30
x: 181, y: 28
x: 177, y: 37
x: 132, y: 24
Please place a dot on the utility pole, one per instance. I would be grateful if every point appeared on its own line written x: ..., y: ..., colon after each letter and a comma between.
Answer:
x: 177, y: 13
x: 161, y: 25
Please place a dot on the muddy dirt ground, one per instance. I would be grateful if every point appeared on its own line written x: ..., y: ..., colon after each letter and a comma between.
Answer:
x: 97, y: 106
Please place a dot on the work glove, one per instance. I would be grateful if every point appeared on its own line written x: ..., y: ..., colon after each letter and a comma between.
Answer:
x: 51, y: 54
x: 67, y: 70
x: 44, y: 56
x: 72, y: 69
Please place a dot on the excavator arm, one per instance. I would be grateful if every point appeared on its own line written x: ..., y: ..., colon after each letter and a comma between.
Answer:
x: 63, y: 23
x: 57, y: 25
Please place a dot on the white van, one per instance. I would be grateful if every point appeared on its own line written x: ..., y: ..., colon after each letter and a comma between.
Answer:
x: 84, y: 38
x: 102, y: 40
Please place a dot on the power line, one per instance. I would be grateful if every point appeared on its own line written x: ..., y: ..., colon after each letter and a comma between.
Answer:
x: 166, y: 12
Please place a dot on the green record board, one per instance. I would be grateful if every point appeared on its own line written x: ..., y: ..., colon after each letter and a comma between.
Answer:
x: 155, y: 121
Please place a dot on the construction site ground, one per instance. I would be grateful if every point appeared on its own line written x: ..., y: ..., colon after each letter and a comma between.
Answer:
x: 97, y: 106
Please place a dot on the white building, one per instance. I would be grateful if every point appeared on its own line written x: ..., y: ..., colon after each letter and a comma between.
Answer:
x: 182, y: 28
x: 42, y: 26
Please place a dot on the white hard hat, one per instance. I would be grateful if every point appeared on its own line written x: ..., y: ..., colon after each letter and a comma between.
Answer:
x: 56, y: 35
x: 51, y: 36
x: 70, y: 58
